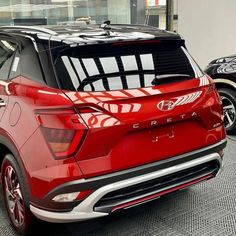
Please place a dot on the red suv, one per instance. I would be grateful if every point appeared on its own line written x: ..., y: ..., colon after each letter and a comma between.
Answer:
x: 98, y: 119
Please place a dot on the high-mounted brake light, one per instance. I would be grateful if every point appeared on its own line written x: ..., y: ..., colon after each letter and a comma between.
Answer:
x: 63, y: 130
x: 136, y: 42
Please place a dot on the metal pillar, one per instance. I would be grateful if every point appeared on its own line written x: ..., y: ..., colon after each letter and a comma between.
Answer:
x: 169, y: 15
x: 70, y: 5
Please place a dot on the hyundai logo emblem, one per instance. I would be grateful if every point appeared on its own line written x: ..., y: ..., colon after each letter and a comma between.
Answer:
x: 166, y: 105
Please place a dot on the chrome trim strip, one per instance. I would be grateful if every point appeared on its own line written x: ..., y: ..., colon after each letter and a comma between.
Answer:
x: 85, y: 210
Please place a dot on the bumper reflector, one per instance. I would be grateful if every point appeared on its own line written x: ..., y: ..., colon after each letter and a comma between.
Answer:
x: 71, y: 197
x: 67, y: 197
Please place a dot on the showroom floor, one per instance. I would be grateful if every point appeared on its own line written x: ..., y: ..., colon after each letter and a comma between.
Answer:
x: 205, y: 209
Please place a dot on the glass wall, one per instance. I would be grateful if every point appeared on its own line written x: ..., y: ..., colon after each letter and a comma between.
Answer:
x: 33, y: 12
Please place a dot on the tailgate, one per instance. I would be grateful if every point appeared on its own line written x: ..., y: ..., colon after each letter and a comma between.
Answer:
x: 139, y: 126
x: 141, y: 101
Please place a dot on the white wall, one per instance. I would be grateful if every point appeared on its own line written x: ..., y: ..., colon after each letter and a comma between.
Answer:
x: 209, y: 27
x: 162, y: 19
x: 119, y: 11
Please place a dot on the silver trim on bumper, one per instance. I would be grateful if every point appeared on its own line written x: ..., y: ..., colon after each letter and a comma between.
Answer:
x: 85, y: 210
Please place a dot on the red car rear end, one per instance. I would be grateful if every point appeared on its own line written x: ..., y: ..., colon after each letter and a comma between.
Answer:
x: 129, y: 117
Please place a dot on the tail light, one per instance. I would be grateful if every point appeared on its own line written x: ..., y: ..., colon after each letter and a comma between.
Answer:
x: 87, y: 109
x: 63, y: 142
x: 219, y: 97
x: 211, y: 88
x: 63, y: 130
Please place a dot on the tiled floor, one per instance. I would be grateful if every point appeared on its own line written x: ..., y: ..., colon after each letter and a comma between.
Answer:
x: 205, y: 209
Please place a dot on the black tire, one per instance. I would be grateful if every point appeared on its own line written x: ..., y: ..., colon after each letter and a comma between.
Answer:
x: 229, y: 97
x: 22, y: 223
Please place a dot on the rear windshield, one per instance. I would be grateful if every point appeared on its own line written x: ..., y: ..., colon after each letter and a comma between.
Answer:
x: 118, y: 66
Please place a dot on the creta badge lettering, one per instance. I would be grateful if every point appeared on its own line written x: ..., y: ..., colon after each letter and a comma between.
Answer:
x: 168, y: 105
x: 167, y: 120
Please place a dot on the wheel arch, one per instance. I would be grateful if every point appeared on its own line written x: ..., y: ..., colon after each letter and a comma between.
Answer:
x: 4, y: 150
x: 7, y: 146
x: 225, y: 83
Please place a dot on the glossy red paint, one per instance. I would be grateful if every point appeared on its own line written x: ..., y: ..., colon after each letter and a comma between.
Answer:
x: 126, y: 128
x: 43, y: 171
x: 138, y: 128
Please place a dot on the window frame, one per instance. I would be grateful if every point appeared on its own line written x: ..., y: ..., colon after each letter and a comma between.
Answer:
x: 9, y: 39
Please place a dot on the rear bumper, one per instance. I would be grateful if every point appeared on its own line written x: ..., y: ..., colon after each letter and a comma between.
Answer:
x: 103, y: 185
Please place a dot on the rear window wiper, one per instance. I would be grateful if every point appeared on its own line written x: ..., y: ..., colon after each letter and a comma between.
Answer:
x: 170, y: 78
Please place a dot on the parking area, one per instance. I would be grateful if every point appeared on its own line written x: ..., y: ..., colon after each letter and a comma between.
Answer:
x: 208, y: 208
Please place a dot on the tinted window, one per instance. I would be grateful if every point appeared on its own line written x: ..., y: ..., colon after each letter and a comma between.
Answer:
x: 29, y: 63
x: 7, y: 52
x: 123, y: 66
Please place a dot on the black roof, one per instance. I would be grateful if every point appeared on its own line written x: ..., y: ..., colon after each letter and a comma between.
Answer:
x: 89, y: 34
